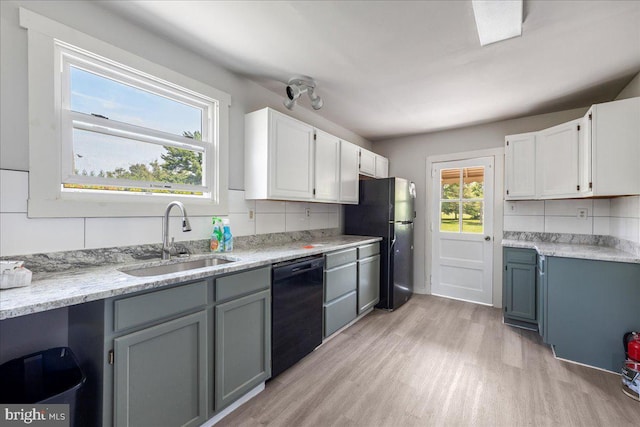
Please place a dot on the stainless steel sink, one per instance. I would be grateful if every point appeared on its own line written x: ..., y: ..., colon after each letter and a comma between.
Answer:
x: 157, y: 270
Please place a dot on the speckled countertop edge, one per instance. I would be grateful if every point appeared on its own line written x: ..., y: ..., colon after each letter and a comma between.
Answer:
x: 574, y: 250
x: 83, y: 285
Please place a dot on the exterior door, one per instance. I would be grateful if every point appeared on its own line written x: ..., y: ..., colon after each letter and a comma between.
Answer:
x: 462, y: 259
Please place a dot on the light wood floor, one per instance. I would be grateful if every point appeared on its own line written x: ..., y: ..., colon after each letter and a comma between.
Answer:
x: 437, y: 362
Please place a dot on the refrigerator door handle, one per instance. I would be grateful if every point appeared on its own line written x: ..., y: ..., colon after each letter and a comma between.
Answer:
x: 393, y: 241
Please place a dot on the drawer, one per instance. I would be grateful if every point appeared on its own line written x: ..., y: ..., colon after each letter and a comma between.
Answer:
x: 340, y: 312
x: 368, y: 250
x: 339, y: 281
x: 244, y: 283
x: 335, y: 259
x: 522, y: 256
x: 153, y: 306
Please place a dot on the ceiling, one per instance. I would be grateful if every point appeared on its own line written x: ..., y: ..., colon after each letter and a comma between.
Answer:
x: 393, y: 68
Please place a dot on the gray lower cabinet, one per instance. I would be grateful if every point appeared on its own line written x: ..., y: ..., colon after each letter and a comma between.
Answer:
x: 542, y: 297
x: 340, y: 289
x: 160, y: 374
x: 173, y: 356
x: 242, y: 346
x: 368, y: 277
x: 519, y: 287
x: 590, y: 306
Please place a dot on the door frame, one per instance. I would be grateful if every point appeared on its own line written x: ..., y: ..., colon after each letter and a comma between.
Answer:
x: 498, y: 213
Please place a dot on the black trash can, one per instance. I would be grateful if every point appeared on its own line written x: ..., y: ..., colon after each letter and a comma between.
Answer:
x: 47, y: 377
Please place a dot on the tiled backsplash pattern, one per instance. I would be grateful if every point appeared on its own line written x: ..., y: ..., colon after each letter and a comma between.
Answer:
x: 618, y: 217
x: 22, y: 235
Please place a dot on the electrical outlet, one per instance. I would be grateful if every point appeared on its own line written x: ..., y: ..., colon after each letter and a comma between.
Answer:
x: 307, y: 211
x: 582, y: 213
x: 251, y: 214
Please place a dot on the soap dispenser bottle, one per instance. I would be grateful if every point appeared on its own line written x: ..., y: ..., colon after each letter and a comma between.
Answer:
x: 227, y: 236
x: 217, y: 235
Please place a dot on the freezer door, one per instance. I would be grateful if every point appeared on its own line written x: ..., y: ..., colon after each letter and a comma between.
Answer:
x: 403, y: 200
x: 401, y: 277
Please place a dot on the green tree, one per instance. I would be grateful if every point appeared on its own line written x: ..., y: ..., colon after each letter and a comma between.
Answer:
x: 473, y: 190
x: 450, y: 191
x: 178, y: 165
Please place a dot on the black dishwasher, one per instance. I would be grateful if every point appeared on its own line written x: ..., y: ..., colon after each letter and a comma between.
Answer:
x: 296, y: 311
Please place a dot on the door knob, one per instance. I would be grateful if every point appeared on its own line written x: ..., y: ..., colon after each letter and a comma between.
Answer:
x: 487, y: 238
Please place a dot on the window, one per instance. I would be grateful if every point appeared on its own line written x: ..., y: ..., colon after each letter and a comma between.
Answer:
x: 462, y: 200
x: 112, y: 134
x: 123, y: 131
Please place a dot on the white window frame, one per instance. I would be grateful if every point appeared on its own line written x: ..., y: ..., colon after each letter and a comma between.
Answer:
x: 52, y: 48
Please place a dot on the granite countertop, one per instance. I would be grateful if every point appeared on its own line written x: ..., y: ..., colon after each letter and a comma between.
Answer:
x: 81, y: 285
x: 574, y: 250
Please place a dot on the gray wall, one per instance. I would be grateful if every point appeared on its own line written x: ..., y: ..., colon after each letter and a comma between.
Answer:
x: 408, y: 159
x: 93, y: 20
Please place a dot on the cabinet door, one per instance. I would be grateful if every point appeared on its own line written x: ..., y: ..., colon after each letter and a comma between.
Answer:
x: 542, y: 298
x: 160, y: 374
x: 382, y: 167
x: 327, y: 172
x: 242, y: 346
x: 349, y: 161
x: 368, y: 283
x: 584, y: 156
x: 557, y: 160
x: 616, y: 147
x: 367, y: 162
x: 290, y: 158
x: 520, y: 291
x: 520, y: 169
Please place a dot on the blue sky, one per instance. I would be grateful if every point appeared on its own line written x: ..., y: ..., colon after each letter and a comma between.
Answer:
x: 93, y: 94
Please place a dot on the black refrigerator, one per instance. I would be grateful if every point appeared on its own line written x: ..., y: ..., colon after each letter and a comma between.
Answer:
x: 387, y: 209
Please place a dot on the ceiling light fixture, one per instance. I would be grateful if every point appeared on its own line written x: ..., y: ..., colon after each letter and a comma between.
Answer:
x: 497, y: 20
x: 299, y: 85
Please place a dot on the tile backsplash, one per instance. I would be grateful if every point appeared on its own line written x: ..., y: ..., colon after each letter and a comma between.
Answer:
x: 618, y: 217
x: 22, y: 235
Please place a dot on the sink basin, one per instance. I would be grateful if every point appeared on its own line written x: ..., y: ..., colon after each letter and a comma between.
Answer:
x: 158, y: 270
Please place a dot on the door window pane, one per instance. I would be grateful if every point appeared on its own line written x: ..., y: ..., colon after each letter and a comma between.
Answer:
x: 450, y: 183
x: 473, y: 183
x: 450, y: 216
x: 472, y: 214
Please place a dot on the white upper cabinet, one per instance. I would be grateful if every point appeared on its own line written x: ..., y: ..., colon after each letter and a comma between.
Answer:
x: 557, y: 161
x: 598, y: 155
x: 327, y: 167
x: 613, y: 132
x: 373, y: 165
x: 520, y: 166
x: 382, y: 167
x: 367, y: 163
x: 349, y: 161
x: 279, y: 157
